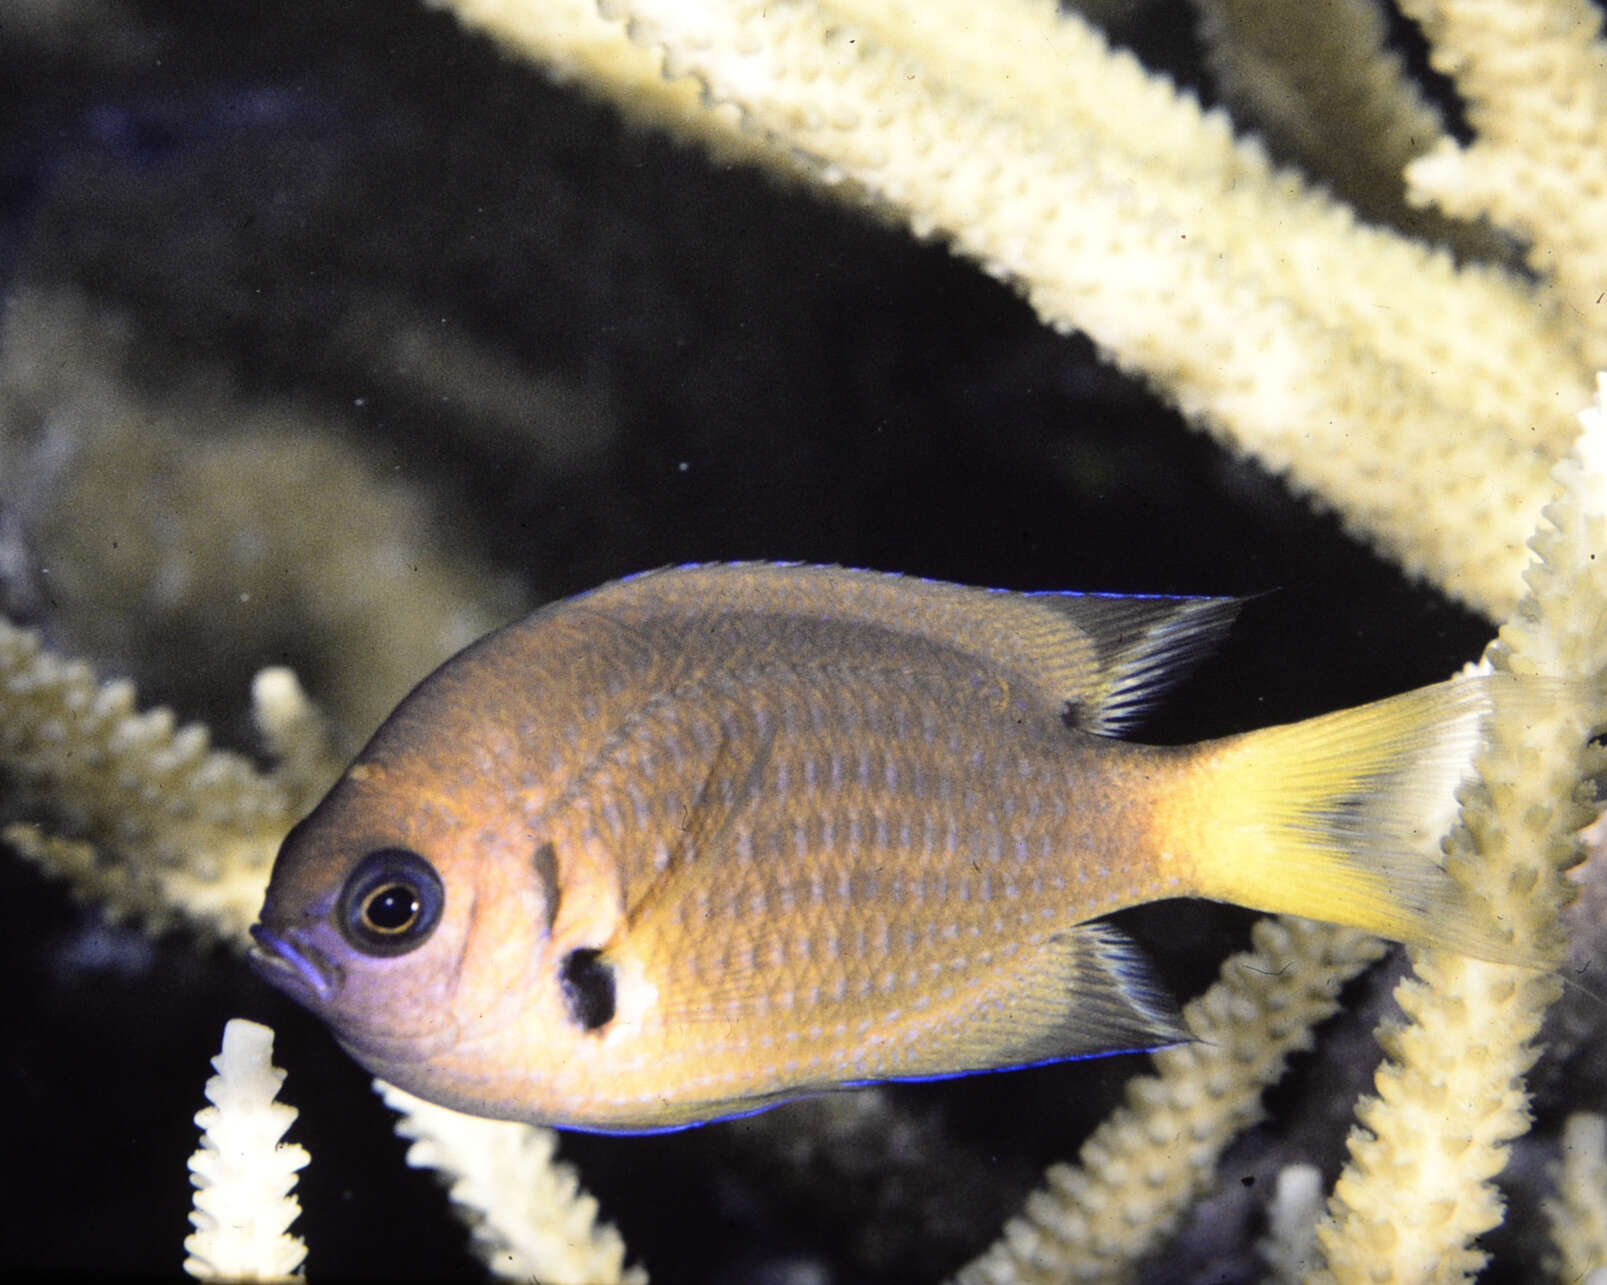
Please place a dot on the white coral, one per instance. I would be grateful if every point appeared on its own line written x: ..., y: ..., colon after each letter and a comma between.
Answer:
x: 530, y: 1219
x: 243, y: 1174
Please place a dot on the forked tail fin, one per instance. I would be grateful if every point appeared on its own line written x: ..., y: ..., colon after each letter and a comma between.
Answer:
x: 1340, y: 817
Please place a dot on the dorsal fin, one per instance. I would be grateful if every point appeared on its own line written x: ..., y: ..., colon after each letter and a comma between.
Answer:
x: 1104, y: 657
x: 1145, y: 646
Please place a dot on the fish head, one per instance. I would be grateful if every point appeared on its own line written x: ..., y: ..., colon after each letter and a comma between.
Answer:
x: 437, y: 910
x: 405, y: 912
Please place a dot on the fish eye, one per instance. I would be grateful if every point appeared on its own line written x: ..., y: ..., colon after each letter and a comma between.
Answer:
x: 391, y: 902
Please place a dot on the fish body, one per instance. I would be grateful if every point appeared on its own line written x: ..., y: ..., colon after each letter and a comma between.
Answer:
x: 713, y: 837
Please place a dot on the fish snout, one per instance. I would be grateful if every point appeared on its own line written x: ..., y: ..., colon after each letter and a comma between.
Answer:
x: 292, y: 963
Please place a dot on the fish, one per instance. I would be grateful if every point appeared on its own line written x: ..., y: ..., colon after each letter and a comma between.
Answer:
x: 712, y: 837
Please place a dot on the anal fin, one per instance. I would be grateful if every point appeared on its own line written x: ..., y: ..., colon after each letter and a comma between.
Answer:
x: 1085, y: 992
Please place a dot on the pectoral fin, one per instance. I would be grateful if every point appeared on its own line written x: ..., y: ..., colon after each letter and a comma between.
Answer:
x: 733, y: 779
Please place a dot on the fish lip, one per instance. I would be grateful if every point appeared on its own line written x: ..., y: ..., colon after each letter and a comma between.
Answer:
x: 292, y: 958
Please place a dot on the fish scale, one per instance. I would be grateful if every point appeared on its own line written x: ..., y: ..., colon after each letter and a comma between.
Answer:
x: 712, y: 837
x: 867, y: 946
x: 888, y: 789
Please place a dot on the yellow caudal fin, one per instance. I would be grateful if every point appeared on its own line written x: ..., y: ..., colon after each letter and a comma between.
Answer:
x: 1340, y: 817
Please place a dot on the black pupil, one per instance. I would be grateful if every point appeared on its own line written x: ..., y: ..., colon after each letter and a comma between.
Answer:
x: 392, y: 909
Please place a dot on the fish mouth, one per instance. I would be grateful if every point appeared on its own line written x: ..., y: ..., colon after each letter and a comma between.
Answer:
x: 291, y: 962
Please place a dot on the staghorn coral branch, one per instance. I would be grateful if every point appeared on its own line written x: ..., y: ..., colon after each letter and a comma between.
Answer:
x: 1290, y: 1244
x: 158, y: 827
x: 530, y: 1219
x: 1418, y: 1189
x: 244, y: 1176
x: 1534, y: 77
x: 1578, y: 1212
x: 297, y: 736
x: 1262, y: 309
x: 580, y: 47
x: 1142, y: 1168
x: 1321, y: 86
x: 325, y: 540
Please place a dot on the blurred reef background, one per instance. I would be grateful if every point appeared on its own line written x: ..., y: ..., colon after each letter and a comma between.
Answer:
x: 331, y: 336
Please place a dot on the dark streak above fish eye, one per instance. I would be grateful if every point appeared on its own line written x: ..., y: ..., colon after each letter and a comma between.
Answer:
x: 588, y: 985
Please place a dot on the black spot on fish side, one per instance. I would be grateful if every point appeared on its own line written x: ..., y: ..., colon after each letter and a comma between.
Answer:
x: 588, y: 988
x: 1071, y: 716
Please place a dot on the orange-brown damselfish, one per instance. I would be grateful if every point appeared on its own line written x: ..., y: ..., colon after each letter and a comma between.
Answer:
x: 712, y: 837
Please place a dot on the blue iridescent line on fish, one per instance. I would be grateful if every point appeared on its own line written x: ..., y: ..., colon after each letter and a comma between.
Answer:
x: 713, y: 837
